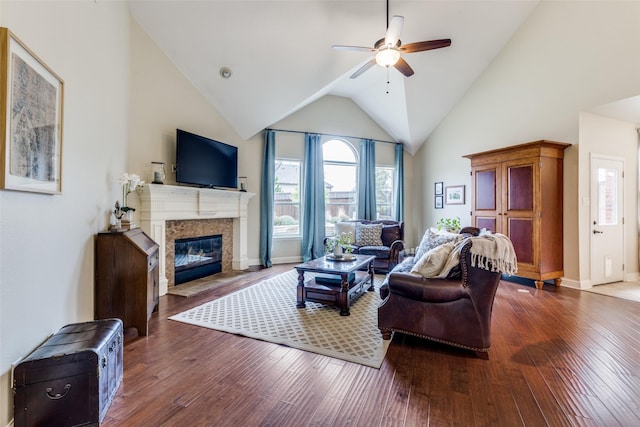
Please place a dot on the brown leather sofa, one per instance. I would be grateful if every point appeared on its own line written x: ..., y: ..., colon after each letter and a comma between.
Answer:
x: 451, y: 311
x: 387, y: 255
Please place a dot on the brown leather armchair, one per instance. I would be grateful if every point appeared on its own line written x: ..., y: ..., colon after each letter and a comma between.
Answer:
x: 455, y: 312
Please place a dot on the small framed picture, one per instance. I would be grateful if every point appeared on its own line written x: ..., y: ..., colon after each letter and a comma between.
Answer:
x: 439, y: 189
x: 454, y: 195
x: 439, y: 202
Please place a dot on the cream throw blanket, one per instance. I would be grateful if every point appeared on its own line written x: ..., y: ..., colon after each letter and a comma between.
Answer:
x: 495, y: 249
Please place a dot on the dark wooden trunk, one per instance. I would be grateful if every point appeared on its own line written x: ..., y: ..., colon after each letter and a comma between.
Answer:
x: 72, y: 377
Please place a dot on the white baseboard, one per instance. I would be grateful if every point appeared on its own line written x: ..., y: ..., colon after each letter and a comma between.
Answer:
x: 576, y: 284
x: 287, y: 260
x: 586, y: 284
x: 281, y: 260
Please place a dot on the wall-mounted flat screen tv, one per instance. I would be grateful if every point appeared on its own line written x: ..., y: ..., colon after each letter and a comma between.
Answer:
x: 205, y: 162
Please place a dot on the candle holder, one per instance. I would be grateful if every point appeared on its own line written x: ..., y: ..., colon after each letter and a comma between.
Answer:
x: 242, y: 181
x: 157, y: 171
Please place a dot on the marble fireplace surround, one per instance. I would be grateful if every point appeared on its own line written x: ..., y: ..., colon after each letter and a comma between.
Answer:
x: 161, y: 203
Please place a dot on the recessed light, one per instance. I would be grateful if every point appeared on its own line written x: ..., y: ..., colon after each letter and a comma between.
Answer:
x: 225, y: 72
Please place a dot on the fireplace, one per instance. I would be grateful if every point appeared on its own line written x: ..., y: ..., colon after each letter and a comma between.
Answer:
x: 177, y: 230
x: 169, y: 212
x: 197, y: 257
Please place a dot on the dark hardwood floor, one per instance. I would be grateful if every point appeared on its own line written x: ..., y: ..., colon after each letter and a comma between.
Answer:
x: 560, y: 357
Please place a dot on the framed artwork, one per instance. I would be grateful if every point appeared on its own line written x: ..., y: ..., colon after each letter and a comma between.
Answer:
x: 439, y: 204
x: 30, y: 120
x: 454, y: 195
x: 439, y: 189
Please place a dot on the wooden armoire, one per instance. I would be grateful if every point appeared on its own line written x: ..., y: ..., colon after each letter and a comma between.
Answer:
x: 517, y: 191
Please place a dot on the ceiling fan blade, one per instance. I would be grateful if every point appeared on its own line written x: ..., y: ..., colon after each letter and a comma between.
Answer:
x: 404, y: 68
x: 364, y: 68
x: 426, y: 45
x: 393, y: 32
x: 353, y: 48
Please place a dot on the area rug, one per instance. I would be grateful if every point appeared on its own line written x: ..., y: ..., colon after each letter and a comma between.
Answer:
x: 267, y: 311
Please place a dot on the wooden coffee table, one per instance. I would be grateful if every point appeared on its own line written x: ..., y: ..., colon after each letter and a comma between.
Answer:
x: 342, y: 294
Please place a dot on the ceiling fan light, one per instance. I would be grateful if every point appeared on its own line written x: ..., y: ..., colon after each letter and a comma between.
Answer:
x: 387, y: 57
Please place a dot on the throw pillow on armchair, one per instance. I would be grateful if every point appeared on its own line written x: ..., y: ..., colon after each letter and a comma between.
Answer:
x: 432, y: 239
x: 368, y: 234
x: 431, y: 263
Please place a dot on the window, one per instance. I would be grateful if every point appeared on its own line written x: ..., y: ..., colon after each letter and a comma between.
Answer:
x: 384, y: 192
x: 607, y: 196
x: 286, y: 204
x: 340, y: 181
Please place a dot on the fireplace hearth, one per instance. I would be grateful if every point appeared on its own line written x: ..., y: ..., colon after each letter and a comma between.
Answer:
x: 197, y: 257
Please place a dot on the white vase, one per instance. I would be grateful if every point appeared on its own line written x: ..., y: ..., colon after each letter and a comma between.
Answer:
x: 337, y: 251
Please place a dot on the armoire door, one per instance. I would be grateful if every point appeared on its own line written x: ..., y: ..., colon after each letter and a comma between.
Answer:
x: 521, y: 178
x: 486, y: 197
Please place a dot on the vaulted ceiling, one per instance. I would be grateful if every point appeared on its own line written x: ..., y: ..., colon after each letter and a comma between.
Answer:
x: 280, y: 56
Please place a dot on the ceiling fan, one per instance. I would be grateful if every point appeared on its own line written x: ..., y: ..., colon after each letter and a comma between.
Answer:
x: 388, y: 50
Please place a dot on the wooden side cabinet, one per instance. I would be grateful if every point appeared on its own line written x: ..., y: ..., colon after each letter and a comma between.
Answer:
x: 126, y: 278
x: 517, y: 191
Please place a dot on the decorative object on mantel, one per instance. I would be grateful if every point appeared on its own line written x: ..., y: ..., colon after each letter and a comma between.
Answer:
x: 242, y: 180
x: 130, y: 182
x: 31, y: 140
x: 157, y: 171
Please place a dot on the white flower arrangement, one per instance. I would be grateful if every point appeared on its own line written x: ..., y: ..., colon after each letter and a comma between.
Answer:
x: 130, y: 182
x: 343, y: 239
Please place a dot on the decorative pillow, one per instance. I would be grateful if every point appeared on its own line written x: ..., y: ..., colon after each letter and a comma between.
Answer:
x: 451, y: 266
x: 431, y: 263
x: 390, y: 233
x: 368, y: 234
x: 349, y: 228
x: 432, y: 239
x: 405, y: 266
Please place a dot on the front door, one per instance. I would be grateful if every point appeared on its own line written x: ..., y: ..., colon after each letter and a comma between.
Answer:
x: 607, y: 222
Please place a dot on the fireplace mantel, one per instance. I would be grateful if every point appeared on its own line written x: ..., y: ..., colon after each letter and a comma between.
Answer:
x: 160, y: 203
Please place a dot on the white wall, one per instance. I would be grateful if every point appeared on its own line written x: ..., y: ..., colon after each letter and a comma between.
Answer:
x: 162, y: 99
x: 46, y: 242
x: 602, y: 135
x: 566, y: 58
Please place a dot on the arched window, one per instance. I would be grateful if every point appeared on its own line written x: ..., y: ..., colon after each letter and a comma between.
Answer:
x: 340, y: 181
